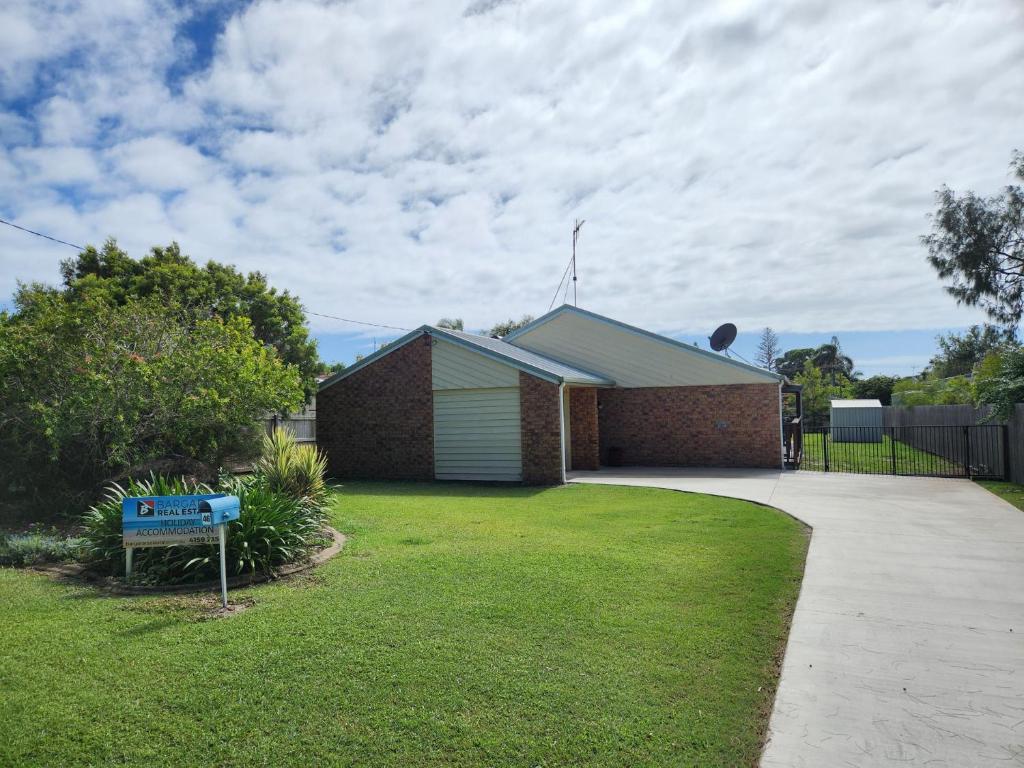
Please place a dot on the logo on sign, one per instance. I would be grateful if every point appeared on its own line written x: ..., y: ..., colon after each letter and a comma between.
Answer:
x: 146, y: 508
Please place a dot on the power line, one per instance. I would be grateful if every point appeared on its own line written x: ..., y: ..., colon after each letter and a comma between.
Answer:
x: 307, y: 311
x: 40, y: 234
x: 357, y: 322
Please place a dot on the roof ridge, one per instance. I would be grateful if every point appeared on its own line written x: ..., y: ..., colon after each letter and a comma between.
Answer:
x: 549, y: 316
x: 535, y: 360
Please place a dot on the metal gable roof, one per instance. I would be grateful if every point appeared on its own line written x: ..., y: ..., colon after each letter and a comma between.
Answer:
x: 567, y: 308
x: 496, y: 349
x: 530, y: 362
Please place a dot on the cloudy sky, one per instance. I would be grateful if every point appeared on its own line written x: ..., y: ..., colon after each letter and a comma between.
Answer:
x: 768, y: 163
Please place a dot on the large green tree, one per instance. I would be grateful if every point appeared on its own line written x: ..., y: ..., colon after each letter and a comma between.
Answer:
x: 817, y: 395
x: 1003, y: 386
x: 877, y: 387
x: 791, y: 364
x: 959, y: 353
x: 505, y: 327
x: 110, y: 275
x: 94, y: 390
x: 829, y: 358
x: 833, y: 362
x: 451, y: 323
x: 977, y: 246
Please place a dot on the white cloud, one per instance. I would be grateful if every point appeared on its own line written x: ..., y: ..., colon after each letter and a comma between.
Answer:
x: 57, y: 165
x: 761, y: 162
x: 161, y: 163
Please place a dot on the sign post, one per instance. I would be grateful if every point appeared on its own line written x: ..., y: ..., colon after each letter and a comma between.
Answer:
x: 221, y: 511
x: 167, y: 521
x: 222, y: 533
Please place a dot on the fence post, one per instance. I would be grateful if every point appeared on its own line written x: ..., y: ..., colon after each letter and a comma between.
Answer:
x: 892, y: 447
x: 1005, y: 432
x: 967, y: 452
x: 825, y: 434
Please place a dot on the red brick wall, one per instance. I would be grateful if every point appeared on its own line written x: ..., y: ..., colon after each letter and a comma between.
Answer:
x: 542, y: 445
x: 378, y: 423
x: 735, y: 425
x: 583, y: 428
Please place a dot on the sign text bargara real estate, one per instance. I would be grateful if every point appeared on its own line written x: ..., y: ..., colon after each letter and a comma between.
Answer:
x: 163, y: 521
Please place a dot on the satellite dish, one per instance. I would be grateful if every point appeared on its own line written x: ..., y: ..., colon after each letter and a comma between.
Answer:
x: 723, y: 336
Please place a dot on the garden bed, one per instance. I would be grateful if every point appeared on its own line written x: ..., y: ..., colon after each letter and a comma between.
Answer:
x: 116, y: 586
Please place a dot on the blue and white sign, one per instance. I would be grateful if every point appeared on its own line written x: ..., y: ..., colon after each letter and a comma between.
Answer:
x: 164, y: 521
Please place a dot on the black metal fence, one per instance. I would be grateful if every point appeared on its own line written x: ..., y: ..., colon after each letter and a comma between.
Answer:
x: 935, y: 451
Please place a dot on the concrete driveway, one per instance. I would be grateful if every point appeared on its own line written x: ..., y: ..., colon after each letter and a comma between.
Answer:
x: 907, y: 646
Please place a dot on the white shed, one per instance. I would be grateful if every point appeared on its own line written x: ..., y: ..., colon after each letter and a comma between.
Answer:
x: 857, y: 421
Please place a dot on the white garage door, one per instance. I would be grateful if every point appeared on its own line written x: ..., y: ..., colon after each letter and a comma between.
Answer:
x: 477, y: 434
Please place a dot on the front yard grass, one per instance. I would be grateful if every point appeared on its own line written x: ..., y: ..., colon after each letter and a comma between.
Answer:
x: 461, y: 625
x: 1011, y: 492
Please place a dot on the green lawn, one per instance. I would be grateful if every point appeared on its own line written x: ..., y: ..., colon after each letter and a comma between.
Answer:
x: 1011, y: 492
x: 873, y: 458
x: 462, y: 625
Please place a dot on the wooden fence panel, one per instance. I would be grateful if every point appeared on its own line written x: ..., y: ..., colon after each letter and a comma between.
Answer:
x: 302, y: 426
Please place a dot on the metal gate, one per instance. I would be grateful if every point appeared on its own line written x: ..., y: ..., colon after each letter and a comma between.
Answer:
x: 978, y: 451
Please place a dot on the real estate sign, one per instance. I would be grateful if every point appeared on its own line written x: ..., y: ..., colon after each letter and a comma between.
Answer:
x: 162, y: 521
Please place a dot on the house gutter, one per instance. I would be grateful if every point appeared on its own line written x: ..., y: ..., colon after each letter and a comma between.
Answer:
x: 561, y: 427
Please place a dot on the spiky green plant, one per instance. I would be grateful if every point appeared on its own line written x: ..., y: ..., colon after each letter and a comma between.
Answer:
x: 274, y: 529
x: 293, y: 468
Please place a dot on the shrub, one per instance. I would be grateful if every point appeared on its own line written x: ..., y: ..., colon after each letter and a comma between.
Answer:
x: 912, y: 391
x: 273, y: 529
x: 293, y: 468
x: 21, y: 549
x: 1001, y: 384
x: 124, y: 387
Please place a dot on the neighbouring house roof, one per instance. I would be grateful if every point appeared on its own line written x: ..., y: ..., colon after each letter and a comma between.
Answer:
x: 538, y: 365
x: 632, y: 356
x: 856, y: 403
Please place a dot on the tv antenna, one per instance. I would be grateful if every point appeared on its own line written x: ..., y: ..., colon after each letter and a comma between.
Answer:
x: 575, y: 236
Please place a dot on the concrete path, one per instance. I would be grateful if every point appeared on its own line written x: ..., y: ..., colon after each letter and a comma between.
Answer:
x: 907, y: 646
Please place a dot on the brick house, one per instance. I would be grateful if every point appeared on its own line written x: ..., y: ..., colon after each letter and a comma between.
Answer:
x: 570, y: 391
